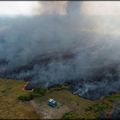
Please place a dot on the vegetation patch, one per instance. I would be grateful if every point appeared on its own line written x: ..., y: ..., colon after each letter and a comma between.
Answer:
x: 98, y: 107
x: 58, y: 87
x: 113, y: 98
x: 70, y: 115
x: 38, y: 92
x: 26, y: 97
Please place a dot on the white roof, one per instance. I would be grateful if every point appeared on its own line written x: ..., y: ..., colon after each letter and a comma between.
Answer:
x: 51, y: 100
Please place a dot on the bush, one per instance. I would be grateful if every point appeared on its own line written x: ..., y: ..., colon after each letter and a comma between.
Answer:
x: 113, y: 98
x: 40, y: 92
x: 25, y: 97
x: 59, y: 87
x: 70, y: 115
x: 98, y: 107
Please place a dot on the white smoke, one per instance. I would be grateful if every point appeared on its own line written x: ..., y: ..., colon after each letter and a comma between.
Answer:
x: 59, y: 45
x: 56, y: 7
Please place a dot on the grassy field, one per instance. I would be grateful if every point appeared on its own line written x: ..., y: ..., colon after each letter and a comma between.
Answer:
x: 66, y: 98
x: 69, y: 105
x: 10, y: 106
x: 74, y: 106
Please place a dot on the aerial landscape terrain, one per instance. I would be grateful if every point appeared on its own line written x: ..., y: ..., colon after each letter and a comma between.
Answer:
x: 59, y: 60
x: 69, y: 106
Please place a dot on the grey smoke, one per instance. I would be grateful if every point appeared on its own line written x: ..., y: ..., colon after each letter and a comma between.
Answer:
x: 26, y: 41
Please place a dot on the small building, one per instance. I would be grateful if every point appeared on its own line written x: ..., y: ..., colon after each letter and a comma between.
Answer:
x: 52, y: 102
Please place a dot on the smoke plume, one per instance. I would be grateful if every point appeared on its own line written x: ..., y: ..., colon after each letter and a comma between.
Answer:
x: 60, y: 45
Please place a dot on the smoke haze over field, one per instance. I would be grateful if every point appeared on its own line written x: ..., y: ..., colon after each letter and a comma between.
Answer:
x: 60, y: 43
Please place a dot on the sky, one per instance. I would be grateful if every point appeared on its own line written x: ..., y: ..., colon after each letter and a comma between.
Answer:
x: 13, y: 8
x: 101, y: 8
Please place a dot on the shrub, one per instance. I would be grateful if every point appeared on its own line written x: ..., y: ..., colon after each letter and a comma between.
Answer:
x: 24, y: 98
x: 113, y: 98
x: 59, y: 87
x: 40, y: 92
x: 98, y: 107
x: 70, y: 115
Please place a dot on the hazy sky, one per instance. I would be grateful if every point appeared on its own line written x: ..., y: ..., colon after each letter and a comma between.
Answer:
x: 16, y: 7
x: 86, y: 7
x: 101, y: 7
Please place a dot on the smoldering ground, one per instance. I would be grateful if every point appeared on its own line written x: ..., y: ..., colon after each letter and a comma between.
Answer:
x: 62, y: 45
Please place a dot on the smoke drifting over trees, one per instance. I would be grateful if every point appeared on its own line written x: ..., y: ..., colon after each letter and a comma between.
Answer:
x: 61, y: 45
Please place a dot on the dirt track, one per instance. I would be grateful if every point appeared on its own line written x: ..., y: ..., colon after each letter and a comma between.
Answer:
x: 48, y: 112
